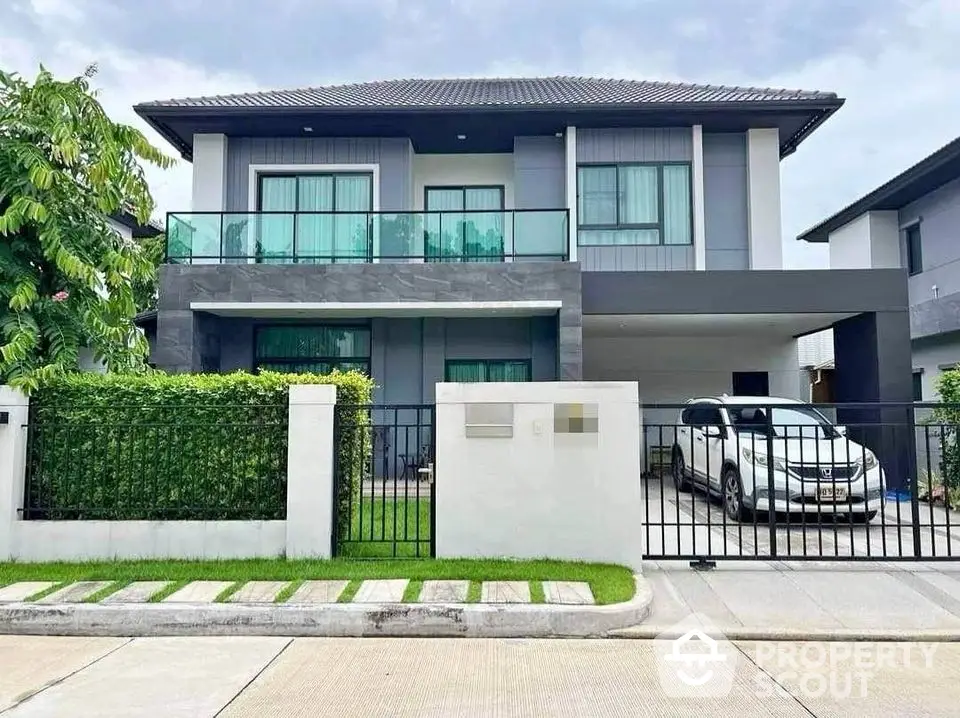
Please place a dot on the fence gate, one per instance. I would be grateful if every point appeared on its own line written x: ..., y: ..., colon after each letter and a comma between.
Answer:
x: 795, y: 482
x: 383, y: 481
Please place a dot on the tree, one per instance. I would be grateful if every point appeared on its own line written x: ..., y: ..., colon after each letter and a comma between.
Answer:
x: 66, y: 278
x: 145, y: 289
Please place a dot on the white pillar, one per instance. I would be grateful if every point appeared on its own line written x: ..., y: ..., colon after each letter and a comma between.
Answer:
x: 763, y: 199
x: 209, y: 172
x: 699, y: 213
x: 571, y: 167
x: 13, y: 457
x: 310, y: 450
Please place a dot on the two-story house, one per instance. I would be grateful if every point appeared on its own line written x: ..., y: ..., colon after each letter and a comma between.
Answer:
x: 911, y: 223
x: 510, y: 230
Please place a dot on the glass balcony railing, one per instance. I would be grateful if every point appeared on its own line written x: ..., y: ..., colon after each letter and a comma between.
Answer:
x: 358, y: 237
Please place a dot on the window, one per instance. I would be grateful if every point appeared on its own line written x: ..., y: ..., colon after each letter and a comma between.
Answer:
x: 319, y: 349
x: 918, y: 386
x: 914, y: 255
x: 702, y: 415
x: 302, y: 227
x: 634, y: 204
x: 751, y: 383
x: 464, y: 224
x: 472, y: 370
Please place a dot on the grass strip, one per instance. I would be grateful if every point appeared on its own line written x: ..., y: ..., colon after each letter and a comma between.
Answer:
x: 350, y: 591
x: 229, y: 591
x: 107, y: 590
x: 610, y: 583
x: 287, y: 591
x: 169, y: 590
x: 536, y: 592
x: 47, y: 591
x: 411, y: 594
x: 474, y: 591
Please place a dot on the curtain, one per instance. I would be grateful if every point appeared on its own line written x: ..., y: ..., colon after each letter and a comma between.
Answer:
x: 676, y: 205
x: 352, y: 240
x: 443, y: 222
x: 311, y: 342
x: 483, y: 230
x: 638, y: 196
x: 508, y: 371
x: 277, y: 194
x: 597, y: 200
x: 315, y: 231
x: 465, y: 371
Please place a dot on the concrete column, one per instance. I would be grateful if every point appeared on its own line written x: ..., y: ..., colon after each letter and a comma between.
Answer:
x: 310, y: 449
x: 873, y: 364
x: 571, y: 172
x: 209, y: 172
x: 699, y: 208
x: 13, y: 456
x: 763, y: 199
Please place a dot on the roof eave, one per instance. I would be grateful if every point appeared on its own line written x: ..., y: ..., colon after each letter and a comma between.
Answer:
x: 821, y: 231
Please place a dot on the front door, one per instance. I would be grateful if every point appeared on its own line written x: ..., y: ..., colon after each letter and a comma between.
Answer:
x: 464, y: 224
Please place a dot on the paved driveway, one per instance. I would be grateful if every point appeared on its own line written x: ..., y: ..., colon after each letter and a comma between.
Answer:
x: 263, y: 677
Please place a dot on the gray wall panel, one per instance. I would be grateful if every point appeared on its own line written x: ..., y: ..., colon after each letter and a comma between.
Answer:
x: 725, y: 200
x: 393, y: 154
x: 539, y: 173
x: 939, y: 215
x: 669, y: 144
x: 635, y: 259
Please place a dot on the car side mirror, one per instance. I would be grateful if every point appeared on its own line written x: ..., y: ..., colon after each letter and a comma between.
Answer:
x: 712, y: 431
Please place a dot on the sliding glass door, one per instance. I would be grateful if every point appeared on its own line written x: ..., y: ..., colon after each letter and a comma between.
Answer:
x: 303, y: 227
x: 464, y: 224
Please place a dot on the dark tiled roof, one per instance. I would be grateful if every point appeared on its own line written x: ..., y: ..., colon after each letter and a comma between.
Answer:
x: 513, y: 92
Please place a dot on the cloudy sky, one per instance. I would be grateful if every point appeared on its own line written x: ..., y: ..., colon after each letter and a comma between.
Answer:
x: 897, y: 62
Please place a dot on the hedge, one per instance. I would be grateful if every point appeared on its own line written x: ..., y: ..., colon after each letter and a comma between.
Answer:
x: 175, y: 447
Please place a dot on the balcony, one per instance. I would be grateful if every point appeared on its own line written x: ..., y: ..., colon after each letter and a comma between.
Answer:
x: 362, y: 237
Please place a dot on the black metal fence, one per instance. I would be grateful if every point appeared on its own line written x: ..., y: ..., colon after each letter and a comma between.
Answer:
x: 225, y: 463
x: 383, y: 481
x: 801, y: 481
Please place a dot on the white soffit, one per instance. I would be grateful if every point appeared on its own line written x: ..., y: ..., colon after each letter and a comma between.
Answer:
x: 310, y: 310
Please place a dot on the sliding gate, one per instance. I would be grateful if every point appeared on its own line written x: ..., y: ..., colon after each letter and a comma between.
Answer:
x: 801, y: 482
x: 383, y: 481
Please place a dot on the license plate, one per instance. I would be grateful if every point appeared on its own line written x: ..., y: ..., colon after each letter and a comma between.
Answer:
x: 832, y: 493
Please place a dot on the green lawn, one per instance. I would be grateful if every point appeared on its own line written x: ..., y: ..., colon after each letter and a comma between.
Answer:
x: 387, y: 528
x: 610, y: 583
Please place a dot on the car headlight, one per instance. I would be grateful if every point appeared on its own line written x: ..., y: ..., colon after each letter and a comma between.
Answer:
x: 758, y: 459
x: 869, y: 461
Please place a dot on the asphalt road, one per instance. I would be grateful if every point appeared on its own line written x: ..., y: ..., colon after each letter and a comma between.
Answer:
x: 263, y: 677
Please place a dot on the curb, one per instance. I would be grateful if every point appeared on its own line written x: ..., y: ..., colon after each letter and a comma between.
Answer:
x: 740, y: 633
x: 330, y: 620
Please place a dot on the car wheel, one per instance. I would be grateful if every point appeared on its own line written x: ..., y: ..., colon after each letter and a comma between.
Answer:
x: 733, y: 496
x: 678, y: 467
x: 864, y: 518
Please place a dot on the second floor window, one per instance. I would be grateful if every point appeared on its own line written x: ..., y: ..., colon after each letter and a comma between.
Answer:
x: 634, y: 204
x: 914, y: 255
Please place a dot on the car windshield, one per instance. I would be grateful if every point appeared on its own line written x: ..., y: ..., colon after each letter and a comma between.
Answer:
x: 792, y: 422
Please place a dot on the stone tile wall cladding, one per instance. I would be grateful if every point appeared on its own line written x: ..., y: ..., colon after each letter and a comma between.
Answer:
x: 183, y: 336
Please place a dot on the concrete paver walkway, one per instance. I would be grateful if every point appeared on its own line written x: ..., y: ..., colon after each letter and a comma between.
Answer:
x: 505, y: 592
x: 258, y: 592
x: 199, y: 592
x: 444, y: 591
x: 23, y: 590
x: 381, y: 591
x: 136, y: 592
x: 318, y: 592
x: 74, y: 592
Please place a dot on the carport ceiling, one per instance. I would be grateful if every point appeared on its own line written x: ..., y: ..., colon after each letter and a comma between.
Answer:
x: 708, y: 325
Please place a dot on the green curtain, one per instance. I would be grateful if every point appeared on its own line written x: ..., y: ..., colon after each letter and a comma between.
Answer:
x: 508, y: 371
x: 443, y: 222
x: 352, y: 241
x: 315, y: 231
x: 277, y: 194
x: 677, y: 212
x: 483, y: 224
x: 311, y: 342
x: 467, y: 371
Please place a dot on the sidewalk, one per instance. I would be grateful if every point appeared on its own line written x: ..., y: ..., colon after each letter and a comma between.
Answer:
x: 808, y: 600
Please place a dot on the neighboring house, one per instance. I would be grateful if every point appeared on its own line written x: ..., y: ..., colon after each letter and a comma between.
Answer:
x: 510, y: 229
x: 911, y: 223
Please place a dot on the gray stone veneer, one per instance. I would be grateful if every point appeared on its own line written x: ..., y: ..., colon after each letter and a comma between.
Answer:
x: 183, y: 344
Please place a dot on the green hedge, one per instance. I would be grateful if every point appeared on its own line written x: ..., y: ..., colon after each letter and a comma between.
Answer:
x: 175, y: 447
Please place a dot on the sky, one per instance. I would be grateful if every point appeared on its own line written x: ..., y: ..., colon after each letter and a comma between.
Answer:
x: 897, y: 63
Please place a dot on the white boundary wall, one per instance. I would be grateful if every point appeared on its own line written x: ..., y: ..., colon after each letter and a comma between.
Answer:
x: 537, y: 493
x: 306, y: 532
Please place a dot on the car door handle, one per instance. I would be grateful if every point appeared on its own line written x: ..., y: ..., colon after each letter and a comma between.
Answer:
x: 700, y: 439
